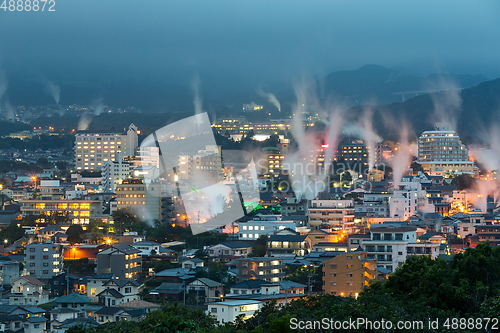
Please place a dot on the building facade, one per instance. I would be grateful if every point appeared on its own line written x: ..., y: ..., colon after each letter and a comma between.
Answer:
x: 44, y: 261
x: 94, y: 148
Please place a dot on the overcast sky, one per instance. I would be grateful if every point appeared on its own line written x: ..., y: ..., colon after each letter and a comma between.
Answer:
x: 240, y: 43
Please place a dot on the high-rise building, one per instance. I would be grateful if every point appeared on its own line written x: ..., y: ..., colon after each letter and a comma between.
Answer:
x: 113, y: 173
x: 443, y: 150
x: 337, y: 214
x: 94, y: 148
x: 133, y: 195
x: 271, y: 162
x: 205, y: 162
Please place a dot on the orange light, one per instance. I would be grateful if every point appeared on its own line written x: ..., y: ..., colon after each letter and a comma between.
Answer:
x: 138, y: 132
x: 183, y: 217
x: 173, y: 225
x: 33, y: 178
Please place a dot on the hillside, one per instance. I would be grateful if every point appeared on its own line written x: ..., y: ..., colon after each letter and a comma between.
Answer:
x: 480, y: 107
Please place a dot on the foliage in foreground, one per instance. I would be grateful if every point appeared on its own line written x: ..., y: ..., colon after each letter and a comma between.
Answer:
x: 467, y: 286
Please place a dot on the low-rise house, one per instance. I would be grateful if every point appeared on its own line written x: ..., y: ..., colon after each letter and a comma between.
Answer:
x: 60, y: 284
x: 73, y: 301
x: 227, y: 311
x: 203, y: 287
x: 147, y: 248
x: 139, y: 304
x: 179, y: 275
x: 95, y: 284
x: 191, y: 263
x: 168, y: 291
x: 229, y: 250
x: 128, y: 288
x: 60, y: 315
x: 26, y: 290
x: 48, y: 232
x: 260, y: 290
x: 108, y: 314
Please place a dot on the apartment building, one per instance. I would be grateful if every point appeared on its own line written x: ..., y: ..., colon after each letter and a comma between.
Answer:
x: 345, y: 275
x: 114, y: 172
x: 44, y: 261
x: 337, y: 214
x: 390, y: 246
x: 288, y: 245
x: 133, y: 195
x: 263, y: 225
x: 94, y: 148
x: 122, y: 260
x: 266, y: 268
x: 78, y: 211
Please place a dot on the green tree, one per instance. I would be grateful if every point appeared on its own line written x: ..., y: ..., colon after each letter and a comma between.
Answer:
x: 75, y: 232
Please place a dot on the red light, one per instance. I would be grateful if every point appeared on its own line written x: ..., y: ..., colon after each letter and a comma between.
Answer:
x: 324, y: 146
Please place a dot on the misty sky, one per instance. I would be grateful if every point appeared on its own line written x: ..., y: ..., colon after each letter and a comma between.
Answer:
x: 242, y: 44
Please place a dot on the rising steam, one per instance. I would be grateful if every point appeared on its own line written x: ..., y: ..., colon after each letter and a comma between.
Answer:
x: 271, y: 98
x: 364, y: 130
x: 447, y: 103
x: 402, y: 158
x: 308, y: 179
x: 52, y: 89
x: 197, y: 101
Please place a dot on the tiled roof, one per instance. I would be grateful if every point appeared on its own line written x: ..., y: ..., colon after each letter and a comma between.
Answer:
x: 72, y: 298
x: 115, y: 293
x: 32, y: 280
x: 139, y: 304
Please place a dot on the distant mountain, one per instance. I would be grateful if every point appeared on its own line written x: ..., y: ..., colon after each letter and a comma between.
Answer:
x: 480, y: 108
x: 373, y: 84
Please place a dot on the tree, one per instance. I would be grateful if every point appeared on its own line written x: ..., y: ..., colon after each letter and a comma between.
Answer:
x: 124, y: 219
x: 260, y: 247
x: 43, y: 162
x: 75, y: 232
x: 463, y: 182
x: 346, y: 177
x: 11, y: 233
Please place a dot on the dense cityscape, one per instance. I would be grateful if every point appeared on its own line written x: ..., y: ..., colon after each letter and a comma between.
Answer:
x: 249, y: 167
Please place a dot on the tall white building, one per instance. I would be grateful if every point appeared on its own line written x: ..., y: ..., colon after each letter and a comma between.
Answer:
x: 443, y: 149
x: 113, y: 173
x: 408, y: 199
x: 94, y: 148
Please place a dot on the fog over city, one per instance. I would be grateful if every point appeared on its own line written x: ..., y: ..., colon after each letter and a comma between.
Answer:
x: 236, y: 46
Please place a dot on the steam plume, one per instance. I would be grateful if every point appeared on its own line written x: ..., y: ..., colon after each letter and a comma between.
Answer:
x: 447, y: 103
x: 270, y: 97
x: 52, y: 89
x: 302, y: 165
x: 402, y: 158
x: 85, y: 121
x: 197, y: 101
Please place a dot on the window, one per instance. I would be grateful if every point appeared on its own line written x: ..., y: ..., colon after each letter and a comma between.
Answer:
x: 45, y: 249
x: 349, y: 266
x: 32, y: 257
x: 45, y: 257
x: 32, y: 249
x: 333, y: 283
x: 45, y: 264
x: 333, y: 274
x: 45, y: 272
x: 349, y: 275
x: 349, y: 257
x: 400, y: 253
x: 32, y: 264
x: 333, y: 266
